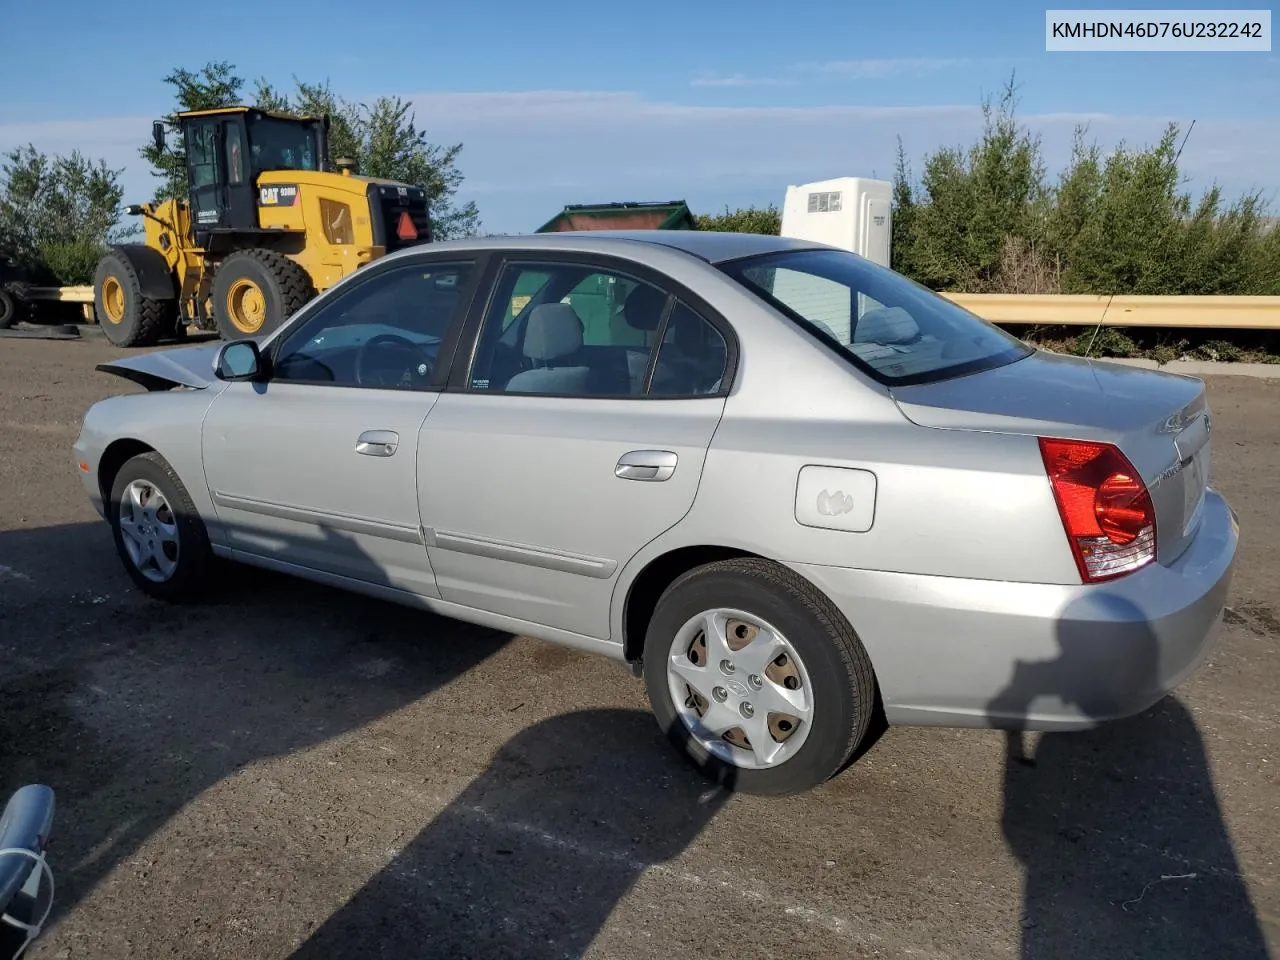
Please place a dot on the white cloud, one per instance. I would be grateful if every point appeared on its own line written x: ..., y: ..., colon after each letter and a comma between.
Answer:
x: 527, y: 154
x: 883, y: 69
x: 736, y: 80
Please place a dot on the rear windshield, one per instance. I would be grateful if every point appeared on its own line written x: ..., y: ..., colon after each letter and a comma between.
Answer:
x: 892, y: 328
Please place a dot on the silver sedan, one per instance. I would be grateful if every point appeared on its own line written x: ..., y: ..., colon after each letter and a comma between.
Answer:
x: 796, y: 492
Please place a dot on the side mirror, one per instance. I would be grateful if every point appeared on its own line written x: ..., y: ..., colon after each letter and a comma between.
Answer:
x: 157, y: 134
x: 239, y: 360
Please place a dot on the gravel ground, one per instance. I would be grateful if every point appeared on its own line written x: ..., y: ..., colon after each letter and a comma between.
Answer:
x: 288, y: 771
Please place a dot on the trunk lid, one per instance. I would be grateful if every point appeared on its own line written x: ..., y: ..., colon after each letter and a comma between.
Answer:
x: 190, y: 367
x: 1160, y: 421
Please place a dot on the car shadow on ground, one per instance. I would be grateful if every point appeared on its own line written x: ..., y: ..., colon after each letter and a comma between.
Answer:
x: 1119, y: 832
x: 497, y: 874
x: 131, y: 708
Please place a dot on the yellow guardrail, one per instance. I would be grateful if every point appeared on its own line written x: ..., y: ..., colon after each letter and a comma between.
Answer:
x: 65, y: 294
x: 1084, y: 310
x: 1229, y: 313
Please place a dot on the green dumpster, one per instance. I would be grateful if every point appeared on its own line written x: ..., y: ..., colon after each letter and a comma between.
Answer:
x: 666, y: 215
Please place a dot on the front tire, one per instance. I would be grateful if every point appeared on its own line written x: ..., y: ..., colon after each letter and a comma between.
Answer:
x: 159, y: 536
x: 255, y: 291
x: 756, y: 676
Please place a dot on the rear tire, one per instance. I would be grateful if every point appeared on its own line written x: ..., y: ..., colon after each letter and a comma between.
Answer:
x: 127, y: 318
x: 159, y: 535
x: 255, y: 291
x: 813, y: 663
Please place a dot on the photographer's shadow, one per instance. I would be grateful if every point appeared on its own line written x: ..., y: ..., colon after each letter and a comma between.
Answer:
x: 533, y: 856
x: 1118, y: 829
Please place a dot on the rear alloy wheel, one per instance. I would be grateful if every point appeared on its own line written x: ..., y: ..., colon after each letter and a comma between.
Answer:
x: 159, y: 536
x: 757, y: 677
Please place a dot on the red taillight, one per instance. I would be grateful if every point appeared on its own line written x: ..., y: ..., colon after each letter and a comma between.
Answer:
x: 1106, y: 509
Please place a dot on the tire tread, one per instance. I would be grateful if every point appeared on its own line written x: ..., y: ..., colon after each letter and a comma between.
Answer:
x: 291, y: 282
x: 152, y: 315
x: 196, y: 558
x: 835, y: 626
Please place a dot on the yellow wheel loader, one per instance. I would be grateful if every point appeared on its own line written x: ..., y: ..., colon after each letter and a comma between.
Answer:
x: 268, y: 222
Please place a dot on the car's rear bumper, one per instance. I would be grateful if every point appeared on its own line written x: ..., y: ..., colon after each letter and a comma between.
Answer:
x: 958, y: 652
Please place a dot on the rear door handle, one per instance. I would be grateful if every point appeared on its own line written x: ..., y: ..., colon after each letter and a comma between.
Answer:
x: 378, y: 443
x: 646, y: 465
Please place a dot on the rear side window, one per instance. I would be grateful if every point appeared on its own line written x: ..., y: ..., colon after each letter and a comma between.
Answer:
x: 568, y: 330
x: 691, y: 358
x: 580, y: 330
x: 892, y: 328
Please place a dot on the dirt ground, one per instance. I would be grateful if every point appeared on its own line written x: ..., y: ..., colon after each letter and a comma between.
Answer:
x: 292, y: 772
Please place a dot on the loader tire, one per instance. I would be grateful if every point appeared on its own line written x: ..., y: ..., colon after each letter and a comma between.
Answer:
x: 10, y: 309
x: 255, y: 291
x: 127, y: 318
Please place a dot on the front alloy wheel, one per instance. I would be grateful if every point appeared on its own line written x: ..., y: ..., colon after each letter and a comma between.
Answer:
x: 150, y: 530
x: 159, y: 534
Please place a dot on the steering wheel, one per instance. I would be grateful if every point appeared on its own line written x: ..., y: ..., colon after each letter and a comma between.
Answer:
x: 414, y: 367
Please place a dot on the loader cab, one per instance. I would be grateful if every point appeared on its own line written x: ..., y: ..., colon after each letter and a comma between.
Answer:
x: 226, y: 151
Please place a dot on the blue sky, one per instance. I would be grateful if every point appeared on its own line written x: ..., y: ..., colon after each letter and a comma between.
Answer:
x: 716, y: 103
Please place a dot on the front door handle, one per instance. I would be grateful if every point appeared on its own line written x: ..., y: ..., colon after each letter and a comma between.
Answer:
x: 378, y: 443
x: 646, y: 465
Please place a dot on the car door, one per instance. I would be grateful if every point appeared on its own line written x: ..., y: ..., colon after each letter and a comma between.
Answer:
x: 206, y: 175
x: 575, y: 436
x: 315, y: 466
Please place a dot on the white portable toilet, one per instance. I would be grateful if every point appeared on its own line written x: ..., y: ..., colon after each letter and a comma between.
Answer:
x: 852, y: 213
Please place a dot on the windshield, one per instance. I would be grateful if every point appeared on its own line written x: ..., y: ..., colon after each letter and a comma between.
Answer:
x: 894, y: 329
x: 282, y: 145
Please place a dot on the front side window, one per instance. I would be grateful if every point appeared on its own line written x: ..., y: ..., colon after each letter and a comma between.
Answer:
x: 893, y: 328
x: 385, y: 332
x: 277, y: 144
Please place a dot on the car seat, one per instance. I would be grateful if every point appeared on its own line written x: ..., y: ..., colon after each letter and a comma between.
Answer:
x: 552, y: 343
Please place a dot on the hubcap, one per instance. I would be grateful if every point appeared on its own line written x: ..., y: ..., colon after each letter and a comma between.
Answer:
x: 740, y: 688
x: 246, y: 306
x: 113, y: 299
x: 149, y: 530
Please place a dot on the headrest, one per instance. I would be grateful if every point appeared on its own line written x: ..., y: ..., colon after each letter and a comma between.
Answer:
x: 886, y: 325
x: 554, y: 331
x: 642, y: 310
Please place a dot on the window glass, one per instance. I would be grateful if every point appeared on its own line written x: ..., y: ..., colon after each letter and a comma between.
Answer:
x: 892, y: 327
x: 691, y: 358
x: 235, y: 154
x: 568, y: 329
x: 385, y: 332
x: 282, y: 144
x: 202, y: 154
